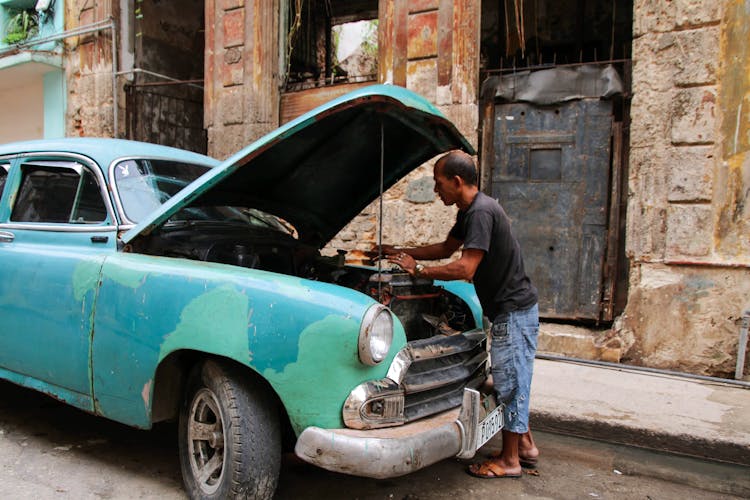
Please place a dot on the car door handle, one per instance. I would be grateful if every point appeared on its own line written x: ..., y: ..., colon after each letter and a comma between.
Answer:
x: 99, y: 239
x: 6, y: 237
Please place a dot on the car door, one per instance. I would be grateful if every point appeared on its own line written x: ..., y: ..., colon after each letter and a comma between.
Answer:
x: 56, y: 228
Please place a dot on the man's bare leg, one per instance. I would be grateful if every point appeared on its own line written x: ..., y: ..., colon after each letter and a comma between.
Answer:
x: 527, y: 450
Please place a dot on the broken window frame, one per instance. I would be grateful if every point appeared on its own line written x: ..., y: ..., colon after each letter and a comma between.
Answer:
x: 4, y: 169
x: 289, y: 27
x: 83, y: 180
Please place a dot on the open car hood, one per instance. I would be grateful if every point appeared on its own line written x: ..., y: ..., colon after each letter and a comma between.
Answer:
x: 320, y: 170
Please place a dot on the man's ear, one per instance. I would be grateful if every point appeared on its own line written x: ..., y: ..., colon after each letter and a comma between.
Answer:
x: 457, y: 181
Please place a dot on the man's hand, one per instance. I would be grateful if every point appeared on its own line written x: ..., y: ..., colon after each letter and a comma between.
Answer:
x: 405, y: 261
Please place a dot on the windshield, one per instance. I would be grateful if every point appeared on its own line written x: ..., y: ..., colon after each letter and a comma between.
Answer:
x: 143, y: 185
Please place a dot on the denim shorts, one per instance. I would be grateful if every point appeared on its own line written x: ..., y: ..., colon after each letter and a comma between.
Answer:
x: 514, y: 338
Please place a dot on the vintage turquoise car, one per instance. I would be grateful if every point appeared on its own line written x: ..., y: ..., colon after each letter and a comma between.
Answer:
x: 144, y: 283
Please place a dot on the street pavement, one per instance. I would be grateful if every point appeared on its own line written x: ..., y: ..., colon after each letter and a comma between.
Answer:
x: 51, y: 451
x: 694, y: 417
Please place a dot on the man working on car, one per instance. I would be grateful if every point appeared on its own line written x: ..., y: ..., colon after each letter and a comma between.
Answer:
x: 491, y: 257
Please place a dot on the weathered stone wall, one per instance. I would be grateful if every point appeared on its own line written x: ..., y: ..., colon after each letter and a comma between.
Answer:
x: 241, y: 90
x: 687, y: 241
x: 687, y: 217
x: 88, y: 71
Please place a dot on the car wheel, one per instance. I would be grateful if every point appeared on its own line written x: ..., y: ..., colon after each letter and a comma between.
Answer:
x: 229, y: 436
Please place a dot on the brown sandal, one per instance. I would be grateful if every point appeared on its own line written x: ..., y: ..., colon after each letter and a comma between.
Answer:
x: 526, y: 463
x: 490, y: 470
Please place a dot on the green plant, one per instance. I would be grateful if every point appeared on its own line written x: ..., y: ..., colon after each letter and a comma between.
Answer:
x: 22, y: 24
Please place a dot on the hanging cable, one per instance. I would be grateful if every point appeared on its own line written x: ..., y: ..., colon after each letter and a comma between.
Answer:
x: 380, y: 209
x: 612, y: 42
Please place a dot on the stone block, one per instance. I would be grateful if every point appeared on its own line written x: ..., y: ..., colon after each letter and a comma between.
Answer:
x: 578, y: 342
x: 647, y: 206
x: 86, y: 17
x: 651, y: 16
x: 233, y: 25
x: 421, y: 190
x: 422, y: 38
x: 696, y: 59
x: 649, y: 69
x: 230, y: 106
x: 231, y: 4
x: 232, y: 69
x: 689, y: 231
x: 693, y: 116
x: 465, y: 117
x: 224, y: 141
x: 691, y: 177
x: 422, y: 5
x: 684, y: 318
x: 696, y: 12
x: 86, y: 53
x: 421, y: 77
x: 649, y: 112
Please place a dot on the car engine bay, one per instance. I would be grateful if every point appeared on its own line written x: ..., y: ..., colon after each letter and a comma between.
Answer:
x: 424, y: 308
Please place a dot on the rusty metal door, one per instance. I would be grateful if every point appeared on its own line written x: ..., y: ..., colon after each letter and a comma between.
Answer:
x: 550, y: 171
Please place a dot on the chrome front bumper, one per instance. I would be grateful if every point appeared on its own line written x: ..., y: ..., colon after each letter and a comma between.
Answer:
x: 395, y: 451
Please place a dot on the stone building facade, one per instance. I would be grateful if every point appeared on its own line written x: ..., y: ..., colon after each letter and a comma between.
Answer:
x: 685, y: 238
x: 688, y: 240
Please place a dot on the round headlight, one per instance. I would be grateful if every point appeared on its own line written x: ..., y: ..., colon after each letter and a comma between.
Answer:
x: 375, y: 335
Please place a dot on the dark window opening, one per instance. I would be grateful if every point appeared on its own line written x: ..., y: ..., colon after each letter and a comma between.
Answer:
x: 57, y: 194
x: 330, y: 42
x: 519, y: 34
x: 164, y: 92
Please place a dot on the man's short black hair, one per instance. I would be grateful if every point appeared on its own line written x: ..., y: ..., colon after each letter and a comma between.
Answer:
x: 461, y: 164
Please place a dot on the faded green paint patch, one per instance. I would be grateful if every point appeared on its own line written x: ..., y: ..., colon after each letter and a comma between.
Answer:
x: 214, y: 322
x: 315, y: 387
x: 85, y: 277
x: 126, y: 274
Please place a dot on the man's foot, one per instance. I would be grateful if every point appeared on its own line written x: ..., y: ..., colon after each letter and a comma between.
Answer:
x: 528, y: 453
x: 527, y: 462
x: 492, y: 470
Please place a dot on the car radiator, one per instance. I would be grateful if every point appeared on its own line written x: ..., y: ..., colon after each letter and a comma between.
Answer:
x: 438, y: 369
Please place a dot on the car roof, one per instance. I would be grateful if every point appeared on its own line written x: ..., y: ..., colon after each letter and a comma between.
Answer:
x: 105, y: 150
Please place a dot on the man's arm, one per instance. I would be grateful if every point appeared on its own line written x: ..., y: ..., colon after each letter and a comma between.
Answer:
x: 460, y: 269
x: 434, y: 251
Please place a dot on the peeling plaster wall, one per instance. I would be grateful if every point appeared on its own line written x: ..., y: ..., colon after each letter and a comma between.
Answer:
x: 687, y: 238
x: 241, y: 90
x: 88, y: 71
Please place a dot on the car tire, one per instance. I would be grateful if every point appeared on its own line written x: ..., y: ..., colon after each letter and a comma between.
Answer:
x: 229, y: 436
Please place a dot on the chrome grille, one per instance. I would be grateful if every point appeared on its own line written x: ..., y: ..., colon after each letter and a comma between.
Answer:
x: 440, y: 368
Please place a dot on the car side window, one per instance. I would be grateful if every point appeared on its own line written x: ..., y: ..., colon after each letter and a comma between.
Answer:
x: 58, y: 192
x: 4, y: 167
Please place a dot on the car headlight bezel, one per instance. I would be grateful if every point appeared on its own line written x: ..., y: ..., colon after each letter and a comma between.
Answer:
x: 375, y: 335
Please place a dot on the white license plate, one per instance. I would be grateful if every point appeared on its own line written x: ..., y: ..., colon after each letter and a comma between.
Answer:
x: 491, y: 425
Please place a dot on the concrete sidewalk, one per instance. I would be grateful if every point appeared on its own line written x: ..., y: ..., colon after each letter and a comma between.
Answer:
x: 675, y: 414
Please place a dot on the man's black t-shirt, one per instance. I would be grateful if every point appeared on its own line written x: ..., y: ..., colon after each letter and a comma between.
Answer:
x: 500, y: 280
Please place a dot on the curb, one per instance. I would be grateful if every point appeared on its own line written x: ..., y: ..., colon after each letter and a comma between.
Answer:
x: 681, y: 444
